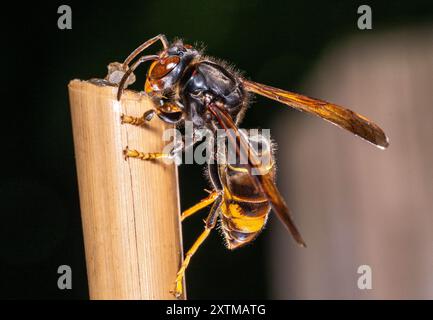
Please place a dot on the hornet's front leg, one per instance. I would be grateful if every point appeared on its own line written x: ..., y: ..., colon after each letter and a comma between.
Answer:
x: 138, y: 121
x: 132, y: 153
x: 178, y: 147
x: 168, y: 112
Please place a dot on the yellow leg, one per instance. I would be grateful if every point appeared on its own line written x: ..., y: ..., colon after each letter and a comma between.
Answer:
x: 181, y: 273
x: 210, y: 224
x: 138, y: 121
x: 202, y: 204
x: 131, y: 153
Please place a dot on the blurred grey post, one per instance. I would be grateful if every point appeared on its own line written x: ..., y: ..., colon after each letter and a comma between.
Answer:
x: 355, y: 204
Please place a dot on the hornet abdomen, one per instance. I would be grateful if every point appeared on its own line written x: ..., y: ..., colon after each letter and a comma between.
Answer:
x: 244, y: 208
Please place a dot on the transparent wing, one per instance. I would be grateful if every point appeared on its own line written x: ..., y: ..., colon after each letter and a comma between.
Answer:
x: 342, y: 117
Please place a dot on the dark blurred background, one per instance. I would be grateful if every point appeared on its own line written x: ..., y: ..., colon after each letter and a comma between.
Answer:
x: 274, y: 42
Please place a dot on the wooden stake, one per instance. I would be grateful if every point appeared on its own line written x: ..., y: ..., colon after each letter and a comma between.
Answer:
x: 129, y: 208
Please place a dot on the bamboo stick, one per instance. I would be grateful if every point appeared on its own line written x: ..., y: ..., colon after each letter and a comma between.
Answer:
x: 129, y: 208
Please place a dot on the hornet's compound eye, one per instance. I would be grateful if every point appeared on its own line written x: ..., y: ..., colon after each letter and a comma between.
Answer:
x: 162, y: 67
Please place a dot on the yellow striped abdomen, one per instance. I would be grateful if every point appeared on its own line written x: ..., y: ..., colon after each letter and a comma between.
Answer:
x: 244, y: 209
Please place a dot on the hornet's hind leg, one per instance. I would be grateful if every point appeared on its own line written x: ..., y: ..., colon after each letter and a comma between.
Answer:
x: 210, y: 224
x: 202, y: 204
